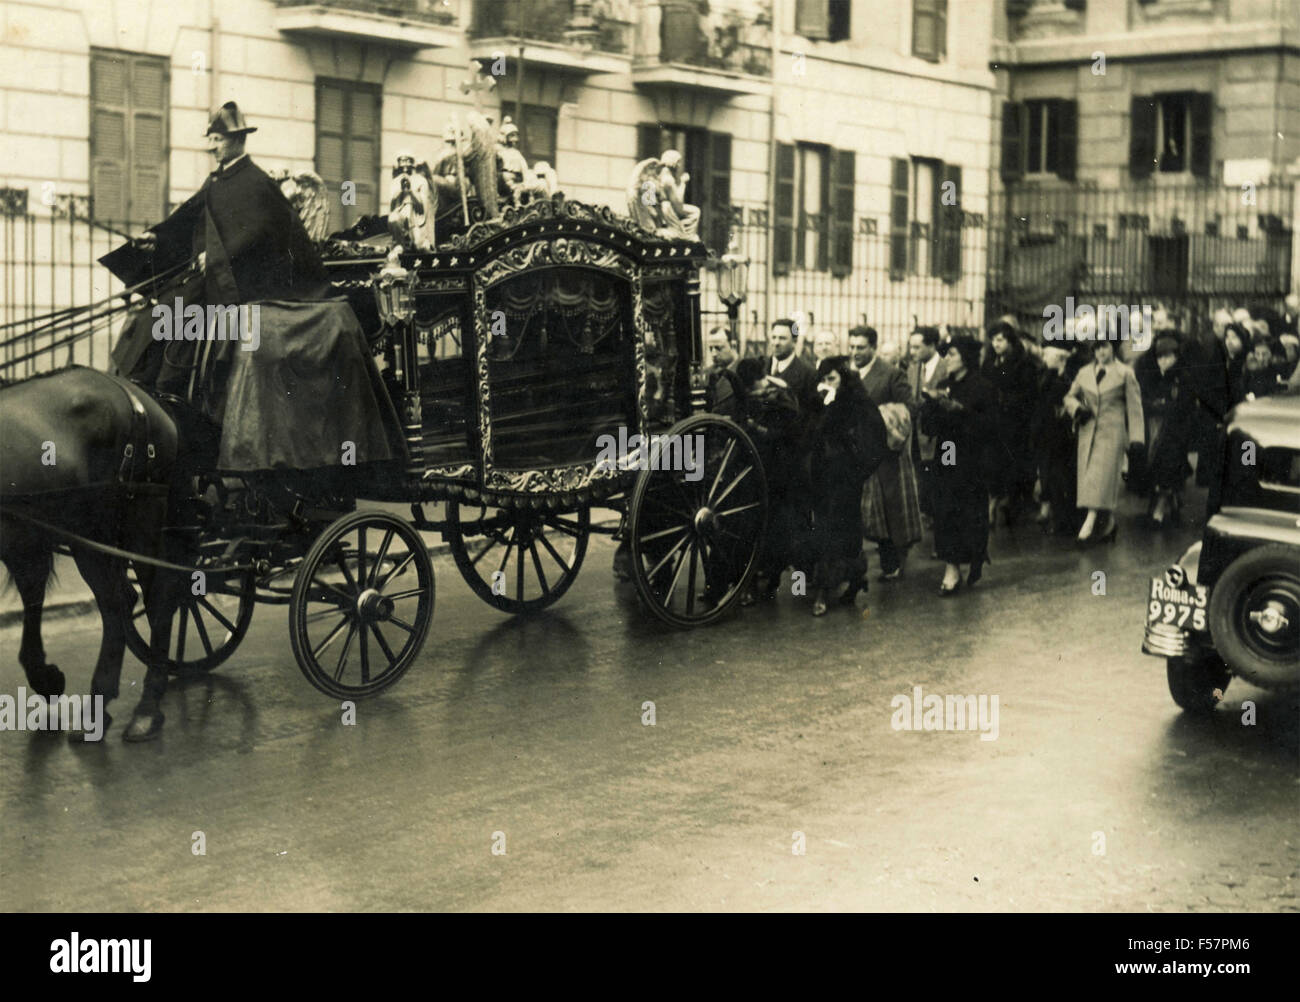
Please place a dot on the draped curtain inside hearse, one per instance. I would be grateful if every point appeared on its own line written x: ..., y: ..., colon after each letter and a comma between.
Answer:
x: 561, y: 370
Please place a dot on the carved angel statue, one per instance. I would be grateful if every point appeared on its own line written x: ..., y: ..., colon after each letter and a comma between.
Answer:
x: 656, y: 198
x: 524, y: 184
x: 306, y: 193
x: 472, y: 145
x: 412, y: 203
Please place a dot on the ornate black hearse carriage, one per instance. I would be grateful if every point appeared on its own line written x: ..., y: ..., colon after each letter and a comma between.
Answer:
x: 541, y: 364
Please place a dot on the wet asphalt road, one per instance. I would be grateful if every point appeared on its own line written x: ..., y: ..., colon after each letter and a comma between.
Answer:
x: 1097, y: 794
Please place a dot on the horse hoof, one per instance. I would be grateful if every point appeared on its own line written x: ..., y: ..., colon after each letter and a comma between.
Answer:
x: 81, y: 736
x: 144, y: 726
x: 49, y: 681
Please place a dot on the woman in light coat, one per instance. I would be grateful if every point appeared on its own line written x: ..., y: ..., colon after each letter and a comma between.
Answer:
x: 1106, y: 405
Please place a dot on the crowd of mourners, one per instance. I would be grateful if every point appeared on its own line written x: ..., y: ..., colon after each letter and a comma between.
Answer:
x: 965, y: 436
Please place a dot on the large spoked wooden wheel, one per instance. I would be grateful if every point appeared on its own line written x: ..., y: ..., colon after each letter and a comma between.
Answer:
x: 206, y: 628
x: 523, y: 560
x: 362, y: 604
x: 695, y: 534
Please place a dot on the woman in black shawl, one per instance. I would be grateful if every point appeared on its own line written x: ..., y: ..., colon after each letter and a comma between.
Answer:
x: 960, y: 414
x: 1012, y: 375
x: 1169, y: 408
x: 848, y: 443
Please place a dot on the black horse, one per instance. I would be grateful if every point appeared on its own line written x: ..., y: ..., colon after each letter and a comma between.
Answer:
x: 93, y: 455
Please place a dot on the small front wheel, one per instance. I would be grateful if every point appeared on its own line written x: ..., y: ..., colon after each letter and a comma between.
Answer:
x: 362, y: 604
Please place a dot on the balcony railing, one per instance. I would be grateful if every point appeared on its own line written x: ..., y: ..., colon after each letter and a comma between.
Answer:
x: 398, y: 24
x: 431, y: 11
x: 723, y: 39
x: 559, y: 21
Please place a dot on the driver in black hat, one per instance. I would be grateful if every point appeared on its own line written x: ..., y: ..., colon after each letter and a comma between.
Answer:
x: 249, y: 244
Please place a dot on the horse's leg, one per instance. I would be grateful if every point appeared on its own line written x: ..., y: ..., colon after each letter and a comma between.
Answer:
x: 29, y: 555
x: 106, y: 577
x: 161, y: 600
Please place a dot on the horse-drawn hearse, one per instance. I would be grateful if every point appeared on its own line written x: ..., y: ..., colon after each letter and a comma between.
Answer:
x: 534, y: 366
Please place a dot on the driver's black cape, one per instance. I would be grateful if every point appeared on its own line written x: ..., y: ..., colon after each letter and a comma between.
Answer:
x: 310, y: 385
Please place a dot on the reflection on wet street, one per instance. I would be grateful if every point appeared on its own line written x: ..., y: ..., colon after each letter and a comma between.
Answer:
x: 771, y: 733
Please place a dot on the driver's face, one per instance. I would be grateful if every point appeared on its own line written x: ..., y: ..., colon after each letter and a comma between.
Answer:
x: 225, y: 148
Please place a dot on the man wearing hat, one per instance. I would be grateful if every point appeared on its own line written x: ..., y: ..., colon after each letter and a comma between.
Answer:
x: 249, y: 244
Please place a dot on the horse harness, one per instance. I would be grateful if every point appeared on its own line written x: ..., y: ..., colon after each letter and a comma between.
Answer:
x: 137, y: 473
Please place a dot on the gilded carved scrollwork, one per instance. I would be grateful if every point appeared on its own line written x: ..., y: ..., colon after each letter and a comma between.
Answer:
x: 559, y: 251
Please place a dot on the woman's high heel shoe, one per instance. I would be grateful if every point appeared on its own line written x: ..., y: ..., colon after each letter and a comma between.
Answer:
x: 945, y: 591
x: 851, y: 593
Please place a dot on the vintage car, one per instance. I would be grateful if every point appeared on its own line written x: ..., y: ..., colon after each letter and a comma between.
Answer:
x: 1230, y: 605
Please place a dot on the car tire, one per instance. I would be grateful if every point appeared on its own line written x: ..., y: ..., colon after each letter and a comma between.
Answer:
x: 1255, y: 616
x: 1197, y: 684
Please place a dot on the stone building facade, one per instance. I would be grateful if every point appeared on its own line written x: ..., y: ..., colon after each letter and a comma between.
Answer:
x: 844, y: 147
x: 1143, y: 149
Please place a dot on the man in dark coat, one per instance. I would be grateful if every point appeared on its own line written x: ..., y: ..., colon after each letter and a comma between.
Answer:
x: 891, y: 507
x: 304, y: 395
x: 785, y: 364
x: 248, y: 241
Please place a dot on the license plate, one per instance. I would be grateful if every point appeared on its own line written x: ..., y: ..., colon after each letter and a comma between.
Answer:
x: 1183, y: 608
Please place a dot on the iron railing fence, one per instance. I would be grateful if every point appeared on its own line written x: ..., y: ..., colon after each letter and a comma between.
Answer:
x: 939, y: 280
x: 49, y: 262
x: 1186, y: 248
x: 1190, y: 257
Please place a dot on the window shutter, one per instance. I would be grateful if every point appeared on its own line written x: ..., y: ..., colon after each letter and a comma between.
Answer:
x: 542, y: 124
x: 1142, y: 137
x: 783, y: 210
x: 348, y: 120
x: 898, y: 213
x: 148, y: 140
x: 1067, y: 140
x: 1014, y: 132
x: 719, y: 190
x: 363, y: 148
x: 1202, y: 111
x: 330, y: 164
x: 823, y: 158
x: 946, y: 257
x: 812, y: 18
x: 841, y: 211
x: 108, y: 141
x: 929, y: 29
x: 647, y: 139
